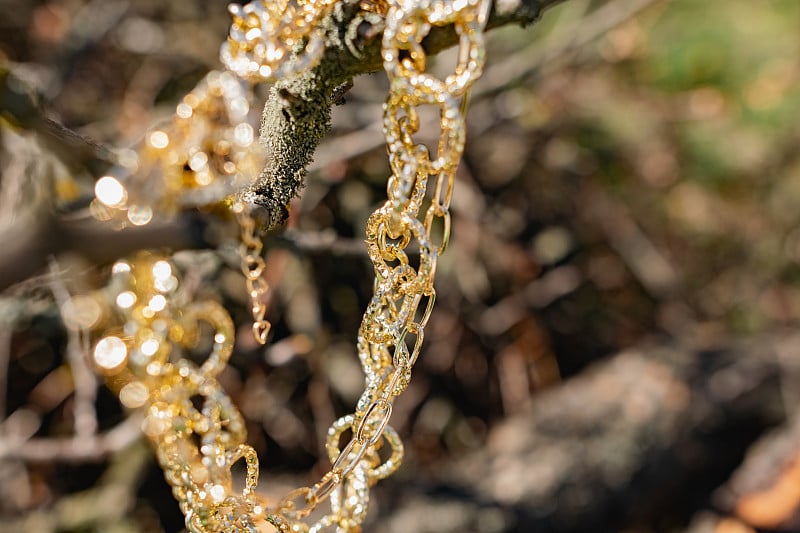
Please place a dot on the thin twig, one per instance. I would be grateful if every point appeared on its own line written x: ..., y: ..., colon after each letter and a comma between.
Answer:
x: 30, y: 241
x: 73, y: 449
x: 536, y: 58
x: 21, y: 103
x: 318, y: 242
x: 5, y: 359
x: 100, y: 508
x: 85, y: 382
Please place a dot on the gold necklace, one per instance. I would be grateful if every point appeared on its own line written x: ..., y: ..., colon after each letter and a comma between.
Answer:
x: 208, y: 149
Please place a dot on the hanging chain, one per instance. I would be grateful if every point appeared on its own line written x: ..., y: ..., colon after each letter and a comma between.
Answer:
x: 253, y: 266
x: 196, y: 429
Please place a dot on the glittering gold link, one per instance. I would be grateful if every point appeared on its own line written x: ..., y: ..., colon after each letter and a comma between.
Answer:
x: 325, y: 486
x: 401, y: 144
x: 382, y: 252
x: 437, y: 212
x: 406, y: 36
x: 247, y: 453
x: 349, y: 504
x: 265, y: 38
x: 390, y: 307
x: 296, y: 504
x: 301, y: 502
x: 390, y: 465
x: 219, y: 319
x: 407, y: 186
x: 352, y: 454
x: 403, y: 357
x: 471, y: 57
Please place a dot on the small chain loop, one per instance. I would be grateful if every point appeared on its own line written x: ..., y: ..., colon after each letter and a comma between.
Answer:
x: 369, y: 430
x: 325, y: 486
x: 351, y: 455
x: 288, y: 505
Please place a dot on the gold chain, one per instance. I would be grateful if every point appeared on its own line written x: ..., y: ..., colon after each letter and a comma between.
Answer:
x: 196, y: 430
x: 253, y: 267
x: 265, y: 34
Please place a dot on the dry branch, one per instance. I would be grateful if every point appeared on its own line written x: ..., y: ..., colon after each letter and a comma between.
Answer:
x: 32, y: 241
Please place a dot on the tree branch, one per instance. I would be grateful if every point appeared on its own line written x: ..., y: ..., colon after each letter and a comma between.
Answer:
x: 75, y: 448
x: 31, y: 241
x: 297, y: 113
x: 21, y: 104
x: 296, y: 118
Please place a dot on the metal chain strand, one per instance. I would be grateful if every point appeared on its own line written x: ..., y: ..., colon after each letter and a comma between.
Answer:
x: 197, y: 431
x: 253, y: 266
x: 265, y: 33
x: 204, y: 154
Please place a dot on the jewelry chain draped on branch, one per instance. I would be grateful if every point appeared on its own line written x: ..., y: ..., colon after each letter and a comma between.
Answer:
x: 206, y: 154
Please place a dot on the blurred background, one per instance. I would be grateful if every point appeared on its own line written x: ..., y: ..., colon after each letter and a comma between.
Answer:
x: 614, y: 346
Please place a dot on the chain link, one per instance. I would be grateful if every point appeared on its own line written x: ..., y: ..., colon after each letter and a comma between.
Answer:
x: 197, y: 432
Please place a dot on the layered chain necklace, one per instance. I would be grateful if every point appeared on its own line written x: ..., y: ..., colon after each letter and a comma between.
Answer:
x: 209, y: 149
